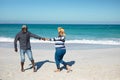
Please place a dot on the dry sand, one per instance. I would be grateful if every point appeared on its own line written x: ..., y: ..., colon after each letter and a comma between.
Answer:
x: 94, y: 64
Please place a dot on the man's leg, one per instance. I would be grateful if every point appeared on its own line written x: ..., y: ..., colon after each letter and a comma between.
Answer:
x: 30, y: 56
x: 33, y: 64
x: 22, y: 55
x: 22, y: 66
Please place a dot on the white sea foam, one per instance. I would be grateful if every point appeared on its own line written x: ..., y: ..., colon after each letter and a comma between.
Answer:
x: 104, y: 42
x: 83, y: 41
x: 4, y: 39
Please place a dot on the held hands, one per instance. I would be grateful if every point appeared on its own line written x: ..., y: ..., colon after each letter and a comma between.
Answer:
x: 45, y: 39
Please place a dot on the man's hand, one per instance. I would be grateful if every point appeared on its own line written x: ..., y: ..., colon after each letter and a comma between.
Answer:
x: 43, y: 39
x: 16, y: 50
x: 46, y: 39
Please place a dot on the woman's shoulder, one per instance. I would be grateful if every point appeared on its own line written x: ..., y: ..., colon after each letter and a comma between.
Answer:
x: 61, y: 37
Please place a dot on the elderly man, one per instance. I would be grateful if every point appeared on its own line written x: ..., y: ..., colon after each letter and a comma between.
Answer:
x: 24, y: 40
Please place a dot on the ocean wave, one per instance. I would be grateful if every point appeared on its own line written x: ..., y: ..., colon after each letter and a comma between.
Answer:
x: 104, y: 42
x: 83, y: 41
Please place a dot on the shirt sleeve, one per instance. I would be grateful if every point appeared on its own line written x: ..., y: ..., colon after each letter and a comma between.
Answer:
x: 58, y: 39
x: 15, y: 41
x: 35, y: 36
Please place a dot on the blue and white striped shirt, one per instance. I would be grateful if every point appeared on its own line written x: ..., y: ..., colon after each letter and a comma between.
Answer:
x: 59, y: 41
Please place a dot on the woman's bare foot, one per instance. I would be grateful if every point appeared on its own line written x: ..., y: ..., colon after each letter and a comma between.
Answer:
x: 35, y: 69
x: 58, y: 70
x: 68, y: 68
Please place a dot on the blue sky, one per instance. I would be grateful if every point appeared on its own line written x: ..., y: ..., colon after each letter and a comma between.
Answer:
x: 60, y: 11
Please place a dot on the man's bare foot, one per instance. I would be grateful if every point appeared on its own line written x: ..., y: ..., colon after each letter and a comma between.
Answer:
x: 22, y: 70
x: 68, y: 68
x: 58, y: 70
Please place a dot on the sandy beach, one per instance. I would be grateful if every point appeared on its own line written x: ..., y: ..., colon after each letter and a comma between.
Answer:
x: 88, y: 64
x: 86, y: 31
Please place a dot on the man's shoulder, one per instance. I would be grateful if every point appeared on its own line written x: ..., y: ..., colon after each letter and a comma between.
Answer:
x: 28, y: 32
x: 19, y: 33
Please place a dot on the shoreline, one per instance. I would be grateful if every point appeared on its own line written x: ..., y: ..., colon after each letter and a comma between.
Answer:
x: 69, y: 46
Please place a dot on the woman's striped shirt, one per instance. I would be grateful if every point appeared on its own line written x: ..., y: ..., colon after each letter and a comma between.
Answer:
x: 59, y: 41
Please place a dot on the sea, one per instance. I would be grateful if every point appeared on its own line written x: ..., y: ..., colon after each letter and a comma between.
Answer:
x: 87, y: 34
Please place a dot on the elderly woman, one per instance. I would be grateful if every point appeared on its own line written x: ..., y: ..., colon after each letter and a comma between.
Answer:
x: 60, y: 49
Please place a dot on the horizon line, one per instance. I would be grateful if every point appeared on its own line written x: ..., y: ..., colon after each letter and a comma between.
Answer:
x: 69, y: 23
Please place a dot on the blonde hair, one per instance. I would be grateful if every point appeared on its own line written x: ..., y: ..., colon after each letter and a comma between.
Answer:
x: 60, y: 29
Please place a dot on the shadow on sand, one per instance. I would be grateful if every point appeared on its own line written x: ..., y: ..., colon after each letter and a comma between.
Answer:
x: 39, y: 64
x: 70, y: 63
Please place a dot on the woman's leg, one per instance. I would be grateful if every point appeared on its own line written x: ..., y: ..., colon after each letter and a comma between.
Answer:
x: 57, y: 60
x: 63, y: 51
